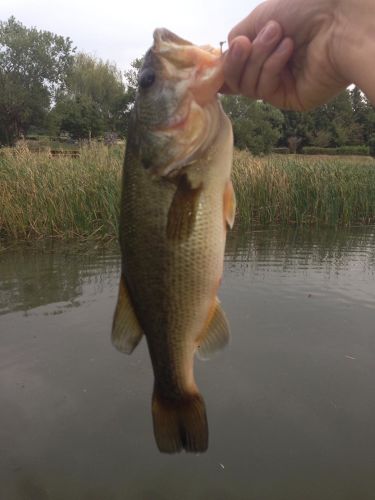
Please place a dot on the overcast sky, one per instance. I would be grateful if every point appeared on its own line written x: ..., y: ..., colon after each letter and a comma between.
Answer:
x: 120, y: 31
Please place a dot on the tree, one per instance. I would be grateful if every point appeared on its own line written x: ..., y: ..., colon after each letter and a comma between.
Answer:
x: 95, y: 97
x: 33, y: 67
x: 131, y: 85
x: 79, y: 116
x: 333, y: 124
x: 256, y: 126
x: 341, y: 116
x: 321, y: 138
x: 364, y: 114
x: 297, y: 129
x: 371, y: 144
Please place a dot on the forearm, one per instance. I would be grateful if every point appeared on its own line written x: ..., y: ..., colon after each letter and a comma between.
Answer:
x: 363, y: 68
x: 355, y: 44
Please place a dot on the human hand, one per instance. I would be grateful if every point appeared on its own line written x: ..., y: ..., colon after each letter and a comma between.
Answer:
x: 287, y: 52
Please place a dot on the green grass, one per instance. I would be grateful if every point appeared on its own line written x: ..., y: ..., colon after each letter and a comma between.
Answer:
x: 299, y: 190
x: 59, y: 197
x: 79, y: 197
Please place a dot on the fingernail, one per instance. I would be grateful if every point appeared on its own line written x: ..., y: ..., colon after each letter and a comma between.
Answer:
x: 236, y: 51
x: 269, y: 32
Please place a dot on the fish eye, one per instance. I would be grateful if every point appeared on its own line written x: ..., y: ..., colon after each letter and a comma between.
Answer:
x: 147, y: 78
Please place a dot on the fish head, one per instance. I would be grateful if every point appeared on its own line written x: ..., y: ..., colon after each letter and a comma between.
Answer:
x: 176, y: 109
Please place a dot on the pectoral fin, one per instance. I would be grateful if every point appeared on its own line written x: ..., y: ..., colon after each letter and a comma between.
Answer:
x: 183, y: 211
x: 216, y: 335
x: 229, y: 204
x: 126, y: 331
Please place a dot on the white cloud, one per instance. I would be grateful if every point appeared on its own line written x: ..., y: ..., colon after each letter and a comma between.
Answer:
x: 121, y: 31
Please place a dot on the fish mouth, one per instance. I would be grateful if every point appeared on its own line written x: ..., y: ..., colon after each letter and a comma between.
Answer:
x: 182, y: 51
x: 193, y: 77
x: 201, y: 66
x: 164, y: 36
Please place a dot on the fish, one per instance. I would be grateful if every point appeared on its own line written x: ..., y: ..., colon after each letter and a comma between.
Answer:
x: 177, y: 204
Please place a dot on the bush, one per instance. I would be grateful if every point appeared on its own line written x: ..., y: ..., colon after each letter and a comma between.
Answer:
x: 256, y: 126
x: 280, y: 151
x: 343, y: 150
x: 371, y: 144
x: 354, y: 150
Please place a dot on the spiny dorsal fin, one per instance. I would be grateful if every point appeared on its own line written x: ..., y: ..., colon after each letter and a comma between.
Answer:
x: 183, y: 210
x: 229, y: 204
x: 216, y: 336
x: 126, y: 331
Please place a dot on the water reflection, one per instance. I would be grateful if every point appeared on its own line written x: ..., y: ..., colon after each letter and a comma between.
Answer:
x: 303, y: 247
x: 54, y: 273
x: 320, y: 261
x: 290, y: 403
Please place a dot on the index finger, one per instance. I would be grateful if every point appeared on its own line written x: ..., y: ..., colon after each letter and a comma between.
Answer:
x: 251, y: 25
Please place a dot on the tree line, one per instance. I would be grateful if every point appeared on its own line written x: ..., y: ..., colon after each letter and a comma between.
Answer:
x: 47, y: 87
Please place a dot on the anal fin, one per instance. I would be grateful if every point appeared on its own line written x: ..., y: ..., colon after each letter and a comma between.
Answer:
x: 216, y: 335
x: 126, y: 330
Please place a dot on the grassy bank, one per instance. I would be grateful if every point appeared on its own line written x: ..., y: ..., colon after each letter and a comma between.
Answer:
x: 63, y: 197
x: 304, y: 190
x: 68, y: 197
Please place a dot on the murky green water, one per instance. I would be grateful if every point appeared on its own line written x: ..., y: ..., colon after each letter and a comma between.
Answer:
x: 291, y: 402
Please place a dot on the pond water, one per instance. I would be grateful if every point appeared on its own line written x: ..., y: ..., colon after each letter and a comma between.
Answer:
x: 291, y: 401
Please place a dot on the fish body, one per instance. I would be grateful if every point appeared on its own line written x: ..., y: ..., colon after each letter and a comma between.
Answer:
x: 177, y: 202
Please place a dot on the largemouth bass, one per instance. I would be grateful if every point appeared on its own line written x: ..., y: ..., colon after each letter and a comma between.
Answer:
x: 177, y: 203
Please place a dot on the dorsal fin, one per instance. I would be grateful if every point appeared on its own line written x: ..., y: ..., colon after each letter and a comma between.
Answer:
x: 126, y: 330
x: 216, y: 335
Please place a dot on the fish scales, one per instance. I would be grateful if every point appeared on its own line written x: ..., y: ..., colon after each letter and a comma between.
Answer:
x: 156, y: 266
x: 172, y: 237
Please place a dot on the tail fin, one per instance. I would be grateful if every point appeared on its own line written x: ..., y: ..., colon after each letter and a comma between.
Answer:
x: 180, y: 424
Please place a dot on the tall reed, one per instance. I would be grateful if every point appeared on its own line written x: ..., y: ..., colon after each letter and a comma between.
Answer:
x: 299, y: 190
x: 67, y: 197
x: 61, y: 196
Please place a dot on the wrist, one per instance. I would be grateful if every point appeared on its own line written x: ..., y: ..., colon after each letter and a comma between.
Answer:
x: 353, y: 46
